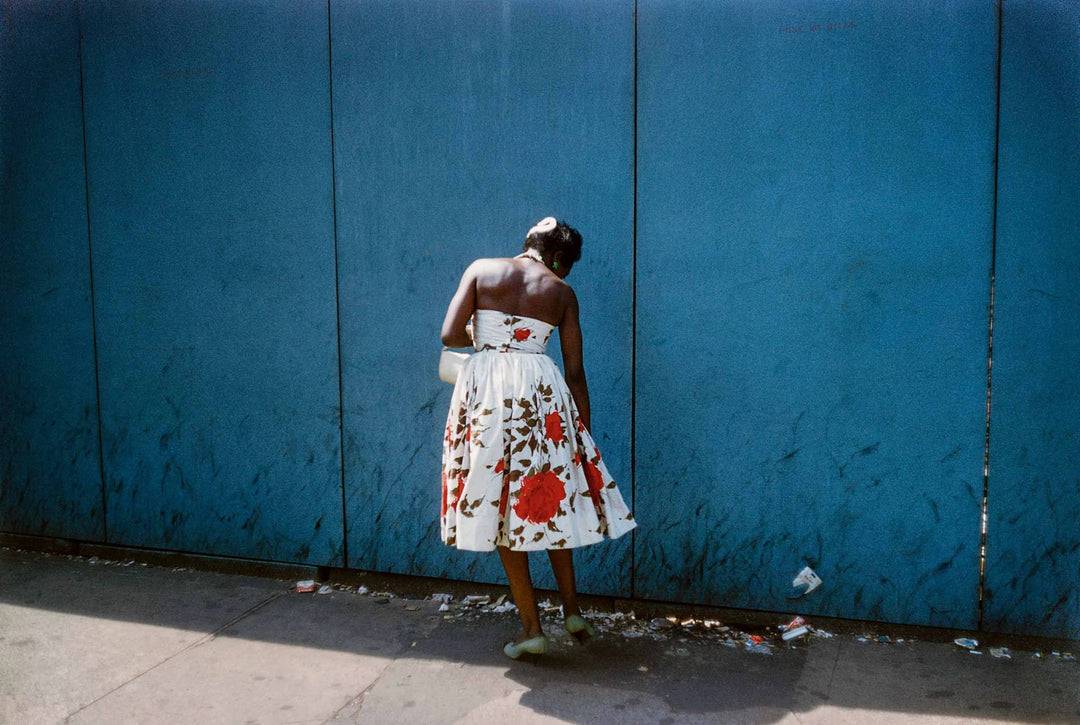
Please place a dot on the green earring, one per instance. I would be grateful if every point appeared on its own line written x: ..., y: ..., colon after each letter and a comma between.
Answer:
x: 554, y: 265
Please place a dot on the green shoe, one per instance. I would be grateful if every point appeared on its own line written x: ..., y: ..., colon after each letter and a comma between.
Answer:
x: 532, y: 647
x: 578, y: 628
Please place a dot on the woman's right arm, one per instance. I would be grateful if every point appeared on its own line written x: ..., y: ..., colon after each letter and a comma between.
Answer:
x: 573, y: 360
x: 460, y: 310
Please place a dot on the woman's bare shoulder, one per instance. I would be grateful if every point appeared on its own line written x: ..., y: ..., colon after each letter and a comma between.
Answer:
x: 492, y: 264
x: 488, y: 269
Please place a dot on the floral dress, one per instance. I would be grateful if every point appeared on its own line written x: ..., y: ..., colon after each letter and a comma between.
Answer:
x: 518, y: 467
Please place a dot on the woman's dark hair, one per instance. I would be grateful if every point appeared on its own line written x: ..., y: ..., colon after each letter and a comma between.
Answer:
x: 563, y: 239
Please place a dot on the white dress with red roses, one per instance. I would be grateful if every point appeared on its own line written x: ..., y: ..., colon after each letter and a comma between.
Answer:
x: 518, y: 467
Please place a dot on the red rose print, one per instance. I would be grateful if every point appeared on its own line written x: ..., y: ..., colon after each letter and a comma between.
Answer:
x: 443, y: 494
x: 595, y: 480
x: 540, y: 497
x: 553, y: 427
x: 522, y: 335
x: 500, y: 466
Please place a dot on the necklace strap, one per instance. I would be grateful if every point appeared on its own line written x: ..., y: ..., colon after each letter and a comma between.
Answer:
x: 533, y: 257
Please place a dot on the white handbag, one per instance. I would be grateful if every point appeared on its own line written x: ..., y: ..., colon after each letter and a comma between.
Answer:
x: 450, y: 363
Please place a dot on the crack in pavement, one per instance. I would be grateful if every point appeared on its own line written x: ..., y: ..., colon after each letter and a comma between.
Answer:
x: 209, y: 637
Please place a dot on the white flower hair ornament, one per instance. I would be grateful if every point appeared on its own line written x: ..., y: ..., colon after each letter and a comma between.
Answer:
x: 544, y: 225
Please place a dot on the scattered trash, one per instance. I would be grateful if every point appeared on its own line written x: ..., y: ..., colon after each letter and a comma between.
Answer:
x: 757, y: 645
x: 671, y: 628
x: 794, y: 629
x: 805, y: 578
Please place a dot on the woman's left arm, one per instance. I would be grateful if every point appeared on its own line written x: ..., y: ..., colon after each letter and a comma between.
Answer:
x: 461, y: 309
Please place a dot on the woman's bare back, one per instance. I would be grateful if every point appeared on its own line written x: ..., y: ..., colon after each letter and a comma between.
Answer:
x: 521, y: 286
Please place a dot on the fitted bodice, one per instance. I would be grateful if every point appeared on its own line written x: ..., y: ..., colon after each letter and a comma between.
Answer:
x: 494, y: 330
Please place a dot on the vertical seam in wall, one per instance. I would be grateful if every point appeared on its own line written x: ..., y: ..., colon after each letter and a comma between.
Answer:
x: 990, y: 333
x: 633, y: 325
x: 337, y: 287
x: 93, y: 304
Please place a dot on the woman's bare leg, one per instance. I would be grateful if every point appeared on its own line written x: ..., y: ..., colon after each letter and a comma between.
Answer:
x: 516, y: 564
x: 562, y: 565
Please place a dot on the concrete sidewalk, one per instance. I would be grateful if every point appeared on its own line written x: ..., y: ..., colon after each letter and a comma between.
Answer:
x: 90, y: 641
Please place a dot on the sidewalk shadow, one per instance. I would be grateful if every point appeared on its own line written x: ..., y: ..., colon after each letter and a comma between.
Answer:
x: 453, y: 661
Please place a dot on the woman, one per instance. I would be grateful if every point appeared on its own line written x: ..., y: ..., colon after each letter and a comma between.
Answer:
x: 520, y: 470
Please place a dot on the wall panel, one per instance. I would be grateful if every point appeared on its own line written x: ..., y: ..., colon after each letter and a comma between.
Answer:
x: 50, y: 472
x: 1033, y: 538
x: 814, y: 216
x: 458, y: 125
x: 209, y: 154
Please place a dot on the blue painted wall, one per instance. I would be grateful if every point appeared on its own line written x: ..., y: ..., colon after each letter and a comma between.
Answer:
x: 789, y: 221
x: 50, y: 477
x: 1033, y: 538
x: 456, y: 127
x: 814, y: 246
x: 211, y: 207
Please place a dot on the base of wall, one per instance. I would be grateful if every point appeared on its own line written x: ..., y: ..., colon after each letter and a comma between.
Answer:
x: 410, y: 586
